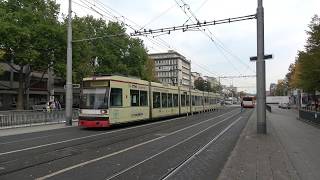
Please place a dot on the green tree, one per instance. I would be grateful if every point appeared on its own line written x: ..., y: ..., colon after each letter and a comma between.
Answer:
x: 281, y: 89
x: 305, y: 72
x: 31, y: 35
x: 216, y: 88
x: 106, y: 49
x: 202, y: 85
x: 150, y: 71
x: 199, y: 84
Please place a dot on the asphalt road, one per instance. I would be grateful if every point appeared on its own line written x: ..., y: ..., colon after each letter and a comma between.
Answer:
x: 194, y: 147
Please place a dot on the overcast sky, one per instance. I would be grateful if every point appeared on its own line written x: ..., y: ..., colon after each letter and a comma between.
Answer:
x: 285, y: 24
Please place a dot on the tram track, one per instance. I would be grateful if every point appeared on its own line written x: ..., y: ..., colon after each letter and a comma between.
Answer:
x: 169, y: 148
x: 151, y: 131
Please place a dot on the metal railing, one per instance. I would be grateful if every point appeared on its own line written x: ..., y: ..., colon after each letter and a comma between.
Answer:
x: 310, y: 116
x: 18, y: 118
x: 268, y: 107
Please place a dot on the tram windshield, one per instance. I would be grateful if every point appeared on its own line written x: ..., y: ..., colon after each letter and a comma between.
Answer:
x: 95, y: 98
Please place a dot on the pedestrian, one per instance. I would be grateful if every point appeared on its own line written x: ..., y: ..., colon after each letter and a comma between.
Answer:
x: 241, y: 108
x: 57, y: 104
x: 52, y: 106
x: 48, y: 106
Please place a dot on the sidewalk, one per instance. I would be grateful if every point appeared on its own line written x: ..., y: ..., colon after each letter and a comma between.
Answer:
x: 30, y: 129
x: 259, y: 157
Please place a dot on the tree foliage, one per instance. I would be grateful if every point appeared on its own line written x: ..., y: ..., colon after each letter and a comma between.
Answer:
x: 105, y: 48
x: 304, y: 74
x: 281, y: 89
x: 204, y: 85
x: 30, y: 34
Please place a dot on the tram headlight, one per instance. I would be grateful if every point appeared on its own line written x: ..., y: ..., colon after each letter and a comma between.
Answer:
x: 104, y: 111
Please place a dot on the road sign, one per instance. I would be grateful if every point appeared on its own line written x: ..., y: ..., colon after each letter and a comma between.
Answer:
x: 268, y: 56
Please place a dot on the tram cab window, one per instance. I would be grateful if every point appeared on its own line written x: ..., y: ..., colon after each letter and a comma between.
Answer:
x: 143, y: 98
x: 134, y: 96
x: 116, y: 97
x: 183, y: 100
x: 156, y: 100
x: 164, y: 98
x: 169, y: 100
x: 175, y: 100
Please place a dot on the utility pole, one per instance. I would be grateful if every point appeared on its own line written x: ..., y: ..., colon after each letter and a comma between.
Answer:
x: 50, y: 83
x: 261, y: 74
x: 190, y: 85
x: 11, y: 73
x: 69, y: 93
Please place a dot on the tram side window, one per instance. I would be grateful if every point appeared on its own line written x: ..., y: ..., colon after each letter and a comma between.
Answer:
x: 169, y: 100
x: 164, y: 99
x: 201, y: 100
x: 197, y: 100
x: 175, y: 100
x: 187, y: 101
x: 183, y: 100
x: 193, y: 100
x: 156, y: 100
x: 116, y: 97
x: 143, y: 98
x: 134, y: 94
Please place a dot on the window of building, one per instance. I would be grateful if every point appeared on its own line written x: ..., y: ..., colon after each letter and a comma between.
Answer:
x: 156, y: 100
x: 134, y: 96
x: 143, y: 98
x: 175, y: 100
x: 164, y: 98
x: 183, y: 100
x: 170, y: 100
x: 116, y: 97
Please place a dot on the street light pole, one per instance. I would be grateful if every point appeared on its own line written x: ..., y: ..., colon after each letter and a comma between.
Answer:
x: 69, y: 71
x: 261, y: 74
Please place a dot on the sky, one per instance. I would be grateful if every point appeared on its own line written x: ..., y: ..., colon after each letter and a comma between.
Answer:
x: 286, y: 22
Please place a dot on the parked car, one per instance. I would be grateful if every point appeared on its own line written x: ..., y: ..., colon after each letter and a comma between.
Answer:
x: 284, y: 105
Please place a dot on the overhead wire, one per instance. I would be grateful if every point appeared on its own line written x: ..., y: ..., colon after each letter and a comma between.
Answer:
x: 158, y: 16
x: 221, y: 45
x: 156, y: 41
x: 182, y: 7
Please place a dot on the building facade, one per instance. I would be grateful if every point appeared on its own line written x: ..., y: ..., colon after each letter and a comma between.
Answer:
x: 272, y: 89
x: 172, y: 68
x: 37, y: 89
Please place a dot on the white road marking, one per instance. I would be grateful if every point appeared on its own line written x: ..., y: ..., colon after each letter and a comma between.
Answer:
x: 29, y: 139
x: 123, y: 150
x: 167, y: 149
x: 84, y: 137
x: 200, y: 150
